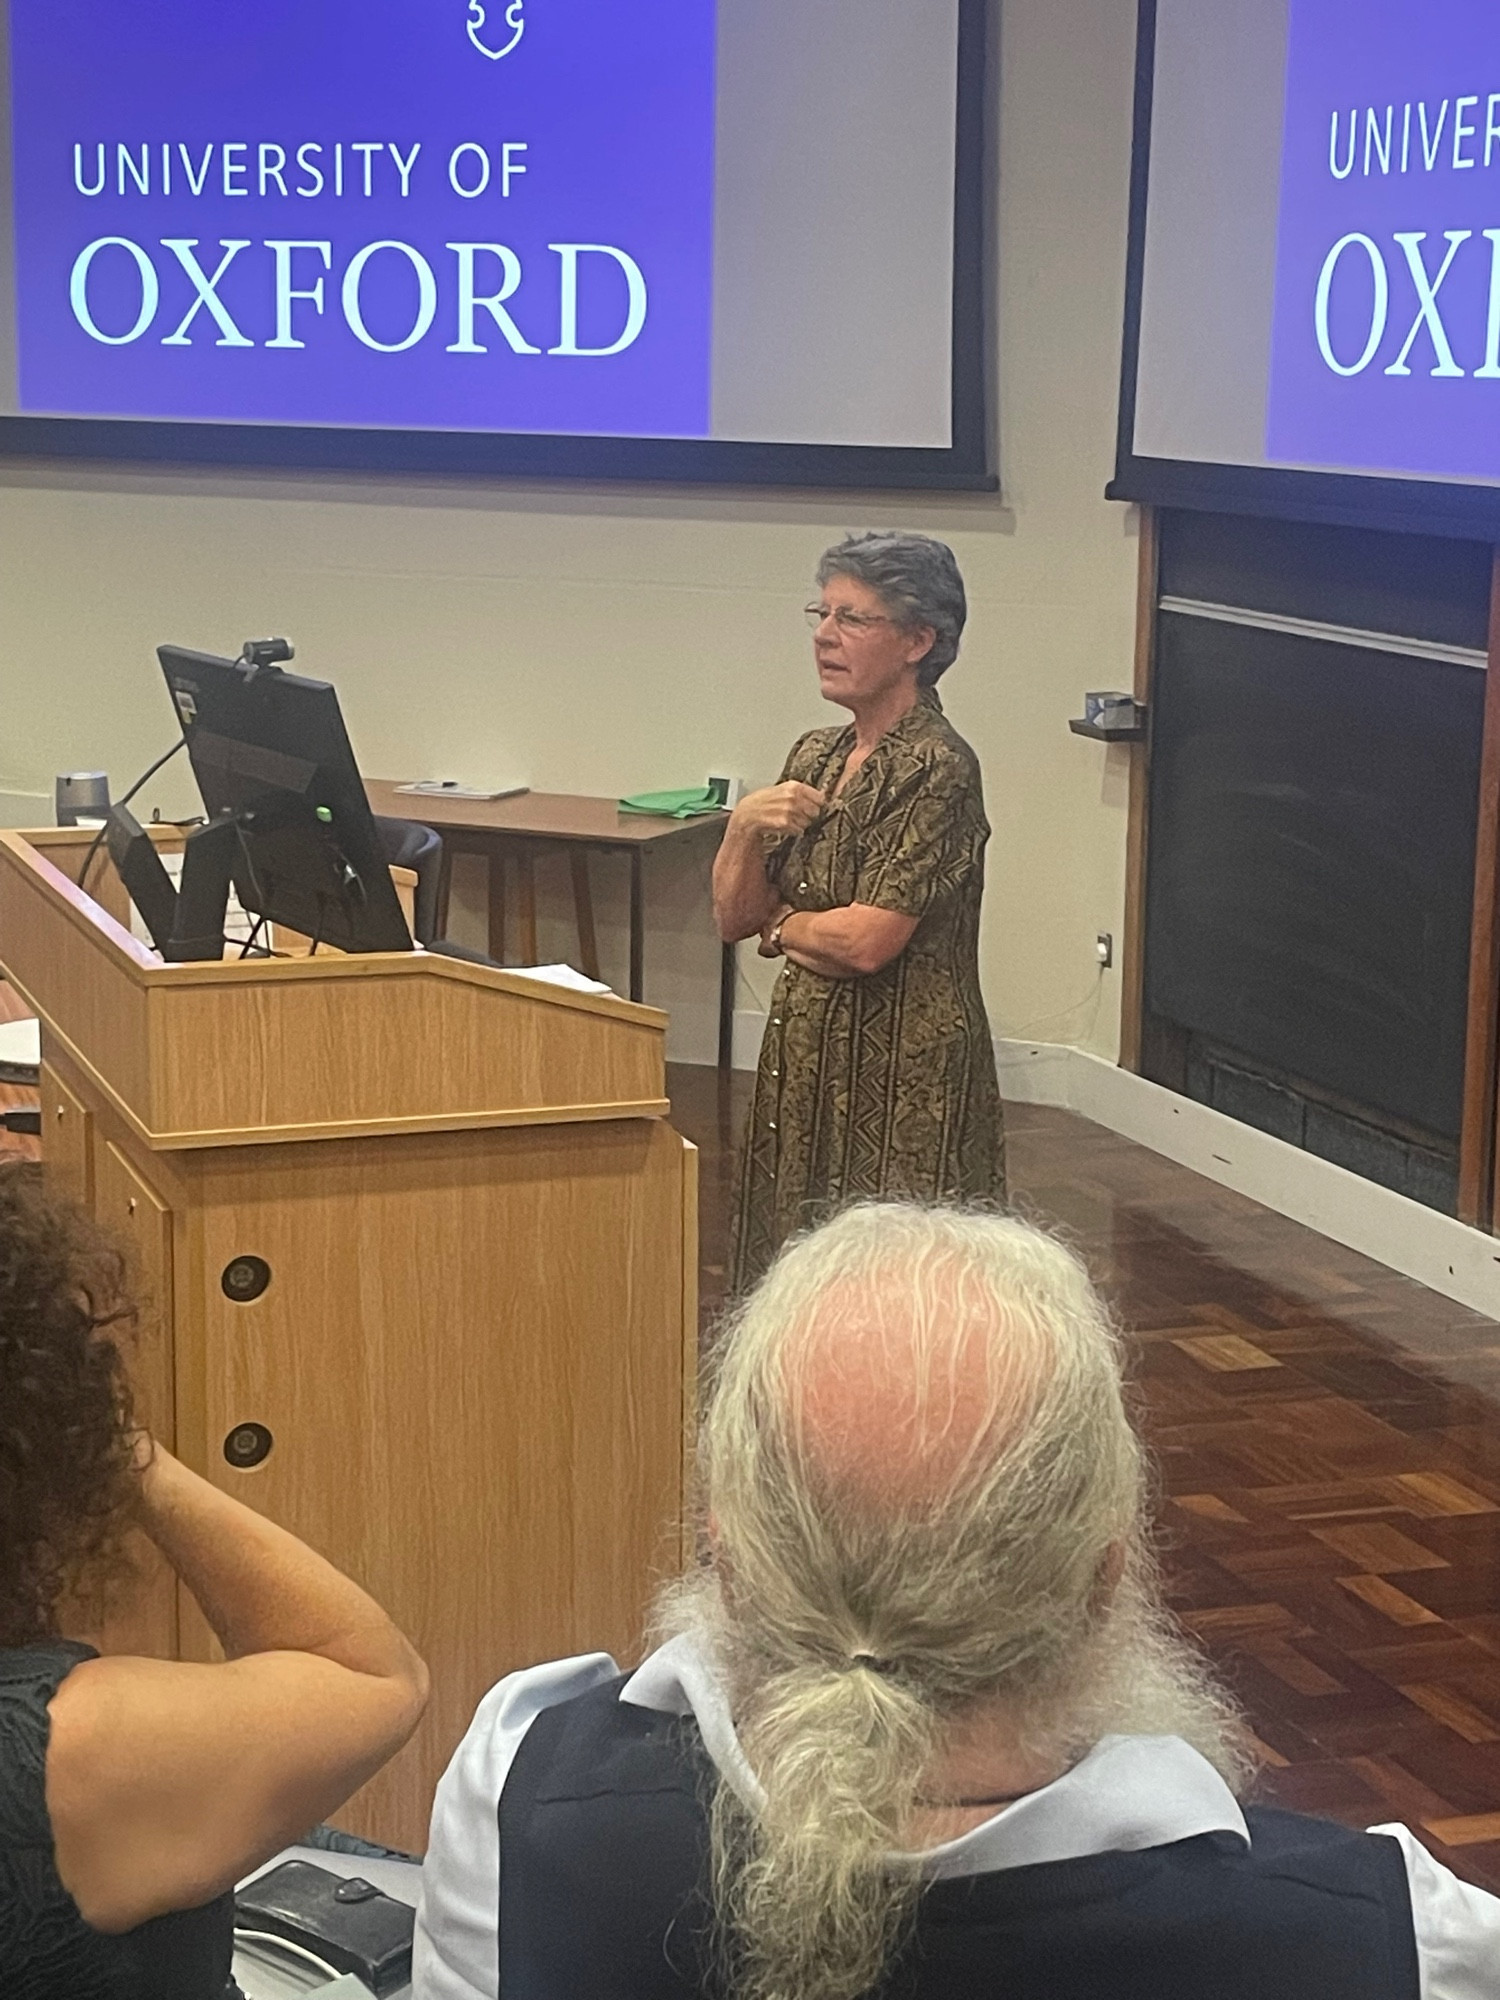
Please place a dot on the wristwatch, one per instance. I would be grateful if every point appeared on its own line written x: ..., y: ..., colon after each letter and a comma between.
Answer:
x: 774, y: 947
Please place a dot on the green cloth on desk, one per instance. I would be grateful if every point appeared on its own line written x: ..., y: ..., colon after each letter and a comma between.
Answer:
x: 688, y: 804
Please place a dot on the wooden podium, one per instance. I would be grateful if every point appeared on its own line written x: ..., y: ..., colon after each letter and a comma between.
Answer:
x: 419, y: 1227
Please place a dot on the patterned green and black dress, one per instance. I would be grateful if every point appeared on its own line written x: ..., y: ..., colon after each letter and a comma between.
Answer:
x: 883, y: 1085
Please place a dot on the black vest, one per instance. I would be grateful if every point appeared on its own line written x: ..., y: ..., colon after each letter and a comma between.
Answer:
x: 603, y: 1872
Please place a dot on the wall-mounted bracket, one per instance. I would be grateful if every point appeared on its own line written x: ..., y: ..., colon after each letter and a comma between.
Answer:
x: 1128, y: 724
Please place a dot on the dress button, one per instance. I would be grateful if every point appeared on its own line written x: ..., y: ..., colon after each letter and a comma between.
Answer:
x: 775, y: 1073
x: 772, y: 1125
x: 801, y: 888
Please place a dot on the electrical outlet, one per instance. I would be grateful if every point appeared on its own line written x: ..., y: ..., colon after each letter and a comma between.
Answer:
x: 1104, y: 949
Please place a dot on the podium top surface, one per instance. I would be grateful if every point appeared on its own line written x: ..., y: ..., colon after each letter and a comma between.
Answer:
x: 258, y: 1051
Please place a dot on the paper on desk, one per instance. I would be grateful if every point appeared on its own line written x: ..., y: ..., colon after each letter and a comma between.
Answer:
x: 561, y: 975
x: 444, y: 788
x: 21, y: 1047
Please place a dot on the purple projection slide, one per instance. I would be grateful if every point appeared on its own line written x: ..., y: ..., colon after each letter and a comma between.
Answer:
x: 1386, y: 342
x: 474, y: 215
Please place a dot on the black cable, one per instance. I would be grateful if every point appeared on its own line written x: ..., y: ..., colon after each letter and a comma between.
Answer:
x: 249, y: 945
x: 144, y: 779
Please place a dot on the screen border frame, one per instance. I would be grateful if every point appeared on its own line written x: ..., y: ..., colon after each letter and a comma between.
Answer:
x: 1448, y: 508
x: 968, y: 464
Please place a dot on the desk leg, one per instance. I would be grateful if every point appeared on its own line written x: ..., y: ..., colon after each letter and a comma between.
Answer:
x: 728, y: 969
x: 444, y: 891
x: 583, y: 909
x: 497, y: 904
x: 637, y: 927
x: 526, y: 869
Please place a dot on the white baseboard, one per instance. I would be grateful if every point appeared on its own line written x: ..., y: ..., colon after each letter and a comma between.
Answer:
x: 1444, y: 1255
x: 1433, y: 1249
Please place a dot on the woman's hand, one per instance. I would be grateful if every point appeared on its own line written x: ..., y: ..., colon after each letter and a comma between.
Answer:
x: 778, y: 810
x: 142, y: 1453
x: 744, y: 901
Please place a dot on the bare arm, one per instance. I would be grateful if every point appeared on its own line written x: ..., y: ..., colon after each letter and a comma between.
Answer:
x: 743, y: 898
x: 848, y: 943
x: 167, y: 1782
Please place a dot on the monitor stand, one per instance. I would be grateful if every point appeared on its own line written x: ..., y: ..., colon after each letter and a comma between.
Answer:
x: 207, y: 872
x: 186, y: 923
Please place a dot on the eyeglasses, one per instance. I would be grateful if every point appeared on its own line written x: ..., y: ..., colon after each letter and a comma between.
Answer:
x: 849, y: 622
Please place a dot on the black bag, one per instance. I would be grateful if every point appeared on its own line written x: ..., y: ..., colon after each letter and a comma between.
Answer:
x: 345, y: 1920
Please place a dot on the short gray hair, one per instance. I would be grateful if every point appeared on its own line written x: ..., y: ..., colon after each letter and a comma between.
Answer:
x: 854, y: 1628
x: 919, y: 579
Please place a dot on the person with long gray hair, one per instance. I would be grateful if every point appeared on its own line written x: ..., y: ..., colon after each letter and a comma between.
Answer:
x: 862, y: 870
x: 917, y: 1723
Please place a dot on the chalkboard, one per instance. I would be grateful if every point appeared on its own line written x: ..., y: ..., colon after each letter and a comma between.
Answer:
x: 1413, y: 586
x: 1313, y: 825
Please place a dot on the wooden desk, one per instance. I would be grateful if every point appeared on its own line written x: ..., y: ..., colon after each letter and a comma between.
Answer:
x: 517, y: 827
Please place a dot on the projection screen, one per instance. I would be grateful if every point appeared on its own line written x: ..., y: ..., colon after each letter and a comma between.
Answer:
x: 1313, y: 322
x: 703, y: 239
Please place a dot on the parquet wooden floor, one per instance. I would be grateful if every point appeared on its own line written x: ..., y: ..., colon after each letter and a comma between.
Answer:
x: 1329, y: 1441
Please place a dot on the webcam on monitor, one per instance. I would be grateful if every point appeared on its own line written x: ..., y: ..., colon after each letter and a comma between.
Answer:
x: 258, y: 656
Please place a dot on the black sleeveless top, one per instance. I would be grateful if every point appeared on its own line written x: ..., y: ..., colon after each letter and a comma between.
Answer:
x: 603, y: 1892
x: 47, y: 1951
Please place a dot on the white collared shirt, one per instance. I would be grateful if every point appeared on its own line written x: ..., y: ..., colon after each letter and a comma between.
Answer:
x: 1127, y: 1794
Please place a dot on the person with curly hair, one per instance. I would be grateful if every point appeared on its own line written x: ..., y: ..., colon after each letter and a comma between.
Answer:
x: 134, y: 1793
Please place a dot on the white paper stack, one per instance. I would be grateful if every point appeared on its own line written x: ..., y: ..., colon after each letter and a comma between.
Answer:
x: 560, y: 975
x: 20, y: 1051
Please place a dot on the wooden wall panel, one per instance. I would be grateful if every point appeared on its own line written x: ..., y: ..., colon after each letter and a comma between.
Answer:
x: 1476, y: 1159
x: 1132, y: 964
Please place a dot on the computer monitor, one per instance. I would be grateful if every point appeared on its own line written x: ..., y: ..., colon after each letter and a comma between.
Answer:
x: 285, y: 802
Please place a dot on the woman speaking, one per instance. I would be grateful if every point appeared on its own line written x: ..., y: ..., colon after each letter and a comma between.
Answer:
x: 863, y: 869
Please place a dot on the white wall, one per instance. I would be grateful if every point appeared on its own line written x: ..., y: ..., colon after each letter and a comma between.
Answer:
x: 608, y: 640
